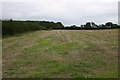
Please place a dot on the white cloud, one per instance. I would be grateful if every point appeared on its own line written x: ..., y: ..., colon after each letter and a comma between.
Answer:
x: 67, y: 11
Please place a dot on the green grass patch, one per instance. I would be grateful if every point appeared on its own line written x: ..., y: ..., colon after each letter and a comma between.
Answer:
x: 82, y: 64
x: 35, y: 75
x: 64, y: 48
x: 41, y: 43
x: 70, y: 45
x: 63, y: 52
x: 45, y: 42
x: 0, y: 42
x: 89, y: 35
x: 52, y: 64
x: 23, y: 62
x: 15, y: 46
x: 113, y: 74
x: 77, y: 75
x: 34, y: 49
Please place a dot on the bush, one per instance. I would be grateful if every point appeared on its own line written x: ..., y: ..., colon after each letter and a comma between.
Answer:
x: 15, y: 27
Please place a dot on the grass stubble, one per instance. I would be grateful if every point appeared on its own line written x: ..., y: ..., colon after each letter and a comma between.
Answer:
x: 62, y: 54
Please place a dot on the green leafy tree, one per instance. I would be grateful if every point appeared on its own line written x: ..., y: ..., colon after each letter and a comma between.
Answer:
x: 73, y: 26
x: 88, y: 25
x: 109, y: 24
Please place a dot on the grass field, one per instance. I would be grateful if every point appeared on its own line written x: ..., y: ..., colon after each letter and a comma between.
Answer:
x: 61, y: 54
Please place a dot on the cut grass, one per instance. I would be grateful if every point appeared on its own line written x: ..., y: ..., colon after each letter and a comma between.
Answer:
x: 0, y: 43
x: 45, y: 42
x: 22, y: 62
x: 113, y: 74
x: 89, y: 35
x: 70, y: 45
x: 63, y: 49
x: 77, y: 75
x: 61, y: 54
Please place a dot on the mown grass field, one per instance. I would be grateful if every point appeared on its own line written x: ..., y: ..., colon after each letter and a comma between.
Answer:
x: 61, y: 54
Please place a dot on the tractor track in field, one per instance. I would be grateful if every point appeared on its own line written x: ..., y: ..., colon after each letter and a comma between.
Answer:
x: 64, y: 36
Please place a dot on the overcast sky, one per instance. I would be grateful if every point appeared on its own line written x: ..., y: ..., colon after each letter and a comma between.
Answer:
x: 69, y: 12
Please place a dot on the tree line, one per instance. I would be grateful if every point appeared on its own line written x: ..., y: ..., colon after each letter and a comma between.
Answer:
x: 92, y: 25
x: 12, y: 27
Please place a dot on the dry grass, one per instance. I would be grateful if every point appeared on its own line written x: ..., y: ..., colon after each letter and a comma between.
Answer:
x: 61, y: 54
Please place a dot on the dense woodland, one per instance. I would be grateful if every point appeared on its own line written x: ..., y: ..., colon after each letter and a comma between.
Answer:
x: 12, y: 27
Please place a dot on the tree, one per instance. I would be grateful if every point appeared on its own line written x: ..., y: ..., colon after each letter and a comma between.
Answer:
x: 73, y: 26
x: 59, y: 25
x: 109, y: 24
x: 88, y: 25
x: 82, y: 26
x: 114, y: 26
x: 102, y: 26
x: 11, y: 20
x: 94, y: 25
